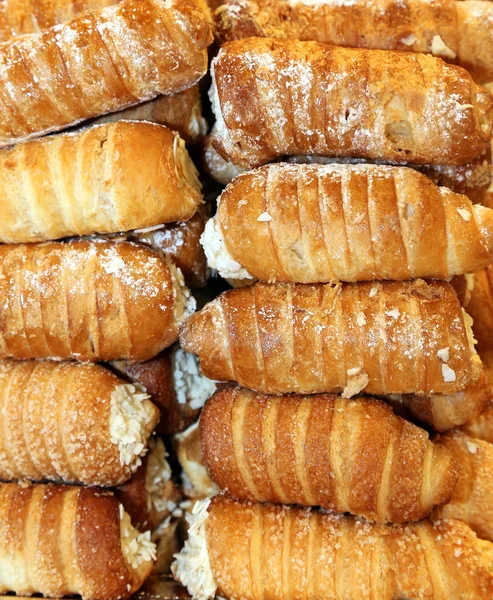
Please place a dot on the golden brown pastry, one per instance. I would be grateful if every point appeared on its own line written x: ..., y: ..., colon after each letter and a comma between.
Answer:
x: 351, y: 456
x: 99, y: 62
x: 482, y: 426
x: 253, y: 551
x: 71, y: 422
x: 472, y: 498
x: 446, y: 411
x: 176, y: 385
x: 181, y: 242
x: 273, y: 98
x: 105, y: 179
x: 196, y: 478
x: 481, y: 308
x: 181, y: 112
x: 381, y: 338
x: 455, y: 31
x: 59, y: 540
x: 89, y: 301
x: 329, y: 223
x: 150, y: 496
x: 18, y: 17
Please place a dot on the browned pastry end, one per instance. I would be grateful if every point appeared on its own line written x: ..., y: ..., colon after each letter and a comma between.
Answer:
x: 89, y: 301
x: 446, y: 411
x: 472, y: 498
x: 104, y: 179
x: 480, y: 308
x: 99, y: 62
x: 181, y: 112
x: 254, y: 551
x: 351, y: 456
x: 150, y: 496
x: 381, y: 338
x: 328, y: 223
x: 60, y: 541
x: 71, y: 422
x: 481, y: 426
x: 181, y: 241
x: 274, y: 98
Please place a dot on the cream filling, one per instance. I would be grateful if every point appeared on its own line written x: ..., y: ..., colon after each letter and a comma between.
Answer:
x: 191, y: 387
x: 192, y: 566
x: 217, y: 254
x: 220, y: 128
x: 130, y: 414
x: 475, y: 358
x: 157, y: 476
x: 184, y: 302
x: 137, y: 547
x: 185, y: 167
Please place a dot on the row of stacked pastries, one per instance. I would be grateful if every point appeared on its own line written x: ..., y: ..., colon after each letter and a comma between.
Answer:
x: 351, y: 296
x: 315, y: 330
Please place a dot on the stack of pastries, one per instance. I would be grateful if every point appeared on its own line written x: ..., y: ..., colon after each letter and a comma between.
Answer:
x: 342, y: 438
x: 99, y: 235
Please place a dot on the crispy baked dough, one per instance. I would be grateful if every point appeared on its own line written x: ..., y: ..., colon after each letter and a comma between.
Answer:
x: 381, y: 338
x: 351, y: 456
x: 274, y: 98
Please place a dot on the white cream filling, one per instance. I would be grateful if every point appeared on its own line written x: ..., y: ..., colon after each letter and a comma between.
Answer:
x: 217, y: 254
x: 137, y: 547
x: 192, y: 566
x: 130, y: 414
x: 220, y: 128
x: 157, y: 475
x: 468, y: 323
x: 191, y: 387
x: 184, y: 302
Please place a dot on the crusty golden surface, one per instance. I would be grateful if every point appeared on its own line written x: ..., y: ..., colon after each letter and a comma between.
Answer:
x: 51, y: 538
x: 106, y: 179
x: 322, y: 223
x: 456, y: 31
x: 482, y: 426
x: 85, y: 300
x: 56, y: 423
x: 99, y: 62
x: 313, y: 555
x: 382, y: 338
x: 472, y: 498
x: 344, y: 455
x: 480, y: 308
x: 274, y: 98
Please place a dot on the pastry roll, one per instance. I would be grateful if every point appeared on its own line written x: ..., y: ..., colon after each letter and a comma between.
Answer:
x: 103, y: 179
x: 455, y: 31
x: 472, y: 498
x: 89, y: 301
x: 181, y: 242
x: 351, y: 456
x: 196, y: 479
x: 150, y: 496
x: 273, y: 98
x: 71, y: 422
x: 481, y: 308
x: 446, y: 411
x: 253, y: 551
x: 176, y: 385
x: 381, y: 338
x: 99, y: 62
x: 60, y: 540
x: 181, y: 112
x: 329, y: 223
x: 18, y: 17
